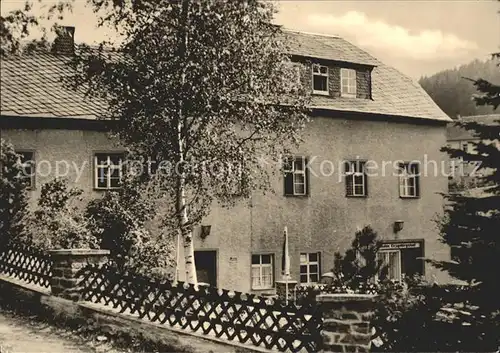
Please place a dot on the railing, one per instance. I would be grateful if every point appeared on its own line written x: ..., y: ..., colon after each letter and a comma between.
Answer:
x: 229, y: 315
x: 26, y: 264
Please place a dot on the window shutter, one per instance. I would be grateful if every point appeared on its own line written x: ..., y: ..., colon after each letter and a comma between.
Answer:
x: 349, y: 185
x: 319, y: 266
x: 365, y: 177
x: 307, y: 175
x: 417, y: 185
x: 288, y: 178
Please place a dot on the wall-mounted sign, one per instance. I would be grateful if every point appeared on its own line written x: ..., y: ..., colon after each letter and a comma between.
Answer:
x: 401, y: 245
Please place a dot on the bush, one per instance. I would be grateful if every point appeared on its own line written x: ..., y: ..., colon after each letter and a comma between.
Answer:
x: 359, y: 265
x: 121, y: 220
x: 14, y: 209
x: 59, y: 223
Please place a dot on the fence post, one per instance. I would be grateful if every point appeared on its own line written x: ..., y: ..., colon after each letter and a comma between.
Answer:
x: 66, y: 264
x: 346, y: 322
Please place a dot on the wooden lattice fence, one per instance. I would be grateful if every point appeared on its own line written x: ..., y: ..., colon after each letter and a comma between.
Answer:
x: 27, y: 264
x: 228, y: 315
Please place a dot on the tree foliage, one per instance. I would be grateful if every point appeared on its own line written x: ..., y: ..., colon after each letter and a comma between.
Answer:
x: 359, y: 264
x: 18, y: 25
x: 58, y: 221
x: 13, y: 198
x: 453, y: 93
x: 202, y: 85
x: 471, y: 223
x: 123, y: 221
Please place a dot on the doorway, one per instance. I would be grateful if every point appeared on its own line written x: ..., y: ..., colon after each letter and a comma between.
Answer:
x: 206, y: 266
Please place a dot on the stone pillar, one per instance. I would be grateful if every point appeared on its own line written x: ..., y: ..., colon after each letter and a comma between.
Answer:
x: 66, y: 264
x: 281, y: 289
x: 346, y: 322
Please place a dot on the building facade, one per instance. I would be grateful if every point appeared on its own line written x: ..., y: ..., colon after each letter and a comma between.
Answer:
x: 371, y: 156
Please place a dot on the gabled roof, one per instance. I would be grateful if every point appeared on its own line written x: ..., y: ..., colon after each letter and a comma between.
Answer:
x: 456, y: 133
x: 31, y: 85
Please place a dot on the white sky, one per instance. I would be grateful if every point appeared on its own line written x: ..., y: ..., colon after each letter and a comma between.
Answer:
x: 417, y: 37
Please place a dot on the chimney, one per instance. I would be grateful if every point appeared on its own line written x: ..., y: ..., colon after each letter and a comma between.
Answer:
x: 64, y: 44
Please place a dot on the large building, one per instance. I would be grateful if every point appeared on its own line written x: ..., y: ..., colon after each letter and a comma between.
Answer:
x: 368, y: 120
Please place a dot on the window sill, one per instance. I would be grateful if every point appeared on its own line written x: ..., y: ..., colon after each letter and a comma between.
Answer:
x: 262, y: 289
x: 321, y: 93
x: 357, y: 196
x: 345, y: 95
x: 297, y: 196
x: 409, y: 197
x: 106, y: 189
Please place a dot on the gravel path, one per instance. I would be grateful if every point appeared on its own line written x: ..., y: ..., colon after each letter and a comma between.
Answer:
x: 21, y: 335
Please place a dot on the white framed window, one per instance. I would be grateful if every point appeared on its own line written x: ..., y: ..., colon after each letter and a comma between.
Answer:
x: 409, y: 180
x: 262, y: 271
x: 348, y: 82
x: 320, y: 79
x: 355, y: 178
x: 391, y: 260
x: 108, y: 169
x: 27, y: 162
x: 310, y: 267
x: 295, y: 176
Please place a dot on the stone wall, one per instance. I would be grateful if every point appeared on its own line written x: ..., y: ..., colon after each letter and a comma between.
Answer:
x: 346, y: 322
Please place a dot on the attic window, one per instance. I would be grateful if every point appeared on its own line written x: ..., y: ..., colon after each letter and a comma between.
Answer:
x: 348, y: 82
x: 320, y: 79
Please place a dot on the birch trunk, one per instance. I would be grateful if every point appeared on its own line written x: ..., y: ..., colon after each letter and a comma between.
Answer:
x: 184, y: 229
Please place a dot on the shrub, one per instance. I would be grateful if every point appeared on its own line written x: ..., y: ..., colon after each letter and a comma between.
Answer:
x: 58, y: 222
x: 13, y: 199
x: 359, y: 265
x: 121, y: 222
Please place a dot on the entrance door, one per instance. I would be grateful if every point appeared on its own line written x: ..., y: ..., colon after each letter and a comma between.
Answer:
x: 206, y: 266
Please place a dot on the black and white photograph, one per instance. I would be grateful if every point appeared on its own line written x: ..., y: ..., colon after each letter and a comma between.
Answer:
x: 249, y: 176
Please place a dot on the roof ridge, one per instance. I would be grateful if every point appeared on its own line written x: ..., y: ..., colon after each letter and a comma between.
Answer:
x: 284, y: 29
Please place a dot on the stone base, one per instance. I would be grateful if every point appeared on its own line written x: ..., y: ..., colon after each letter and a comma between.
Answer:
x: 346, y: 322
x: 66, y: 265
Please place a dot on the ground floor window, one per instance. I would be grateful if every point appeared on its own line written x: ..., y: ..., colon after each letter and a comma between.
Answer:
x: 262, y: 271
x: 310, y: 267
x: 402, y: 259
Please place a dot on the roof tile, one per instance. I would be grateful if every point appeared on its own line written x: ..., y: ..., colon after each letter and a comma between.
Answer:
x: 31, y: 85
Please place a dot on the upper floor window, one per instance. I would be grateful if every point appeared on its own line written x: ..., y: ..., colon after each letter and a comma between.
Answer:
x: 465, y: 147
x: 262, y: 271
x: 310, y: 267
x: 108, y: 168
x: 355, y: 178
x: 409, y: 180
x: 320, y: 79
x: 295, y: 176
x: 27, y: 161
x: 348, y: 82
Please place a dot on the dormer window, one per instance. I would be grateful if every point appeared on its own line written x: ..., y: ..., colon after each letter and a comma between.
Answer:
x: 348, y: 83
x: 320, y: 79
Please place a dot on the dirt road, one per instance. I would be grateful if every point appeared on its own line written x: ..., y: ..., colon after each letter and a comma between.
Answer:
x: 21, y: 335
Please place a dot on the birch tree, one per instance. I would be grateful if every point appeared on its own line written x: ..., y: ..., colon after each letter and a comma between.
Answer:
x: 204, y: 88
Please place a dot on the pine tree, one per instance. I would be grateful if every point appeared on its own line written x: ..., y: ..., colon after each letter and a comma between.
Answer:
x: 471, y: 226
